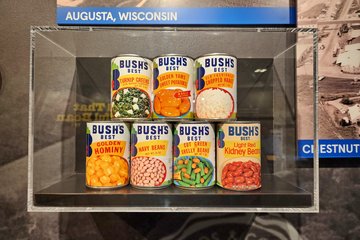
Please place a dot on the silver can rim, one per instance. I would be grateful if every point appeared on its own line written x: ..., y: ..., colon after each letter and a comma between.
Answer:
x: 215, y: 55
x: 152, y: 122
x: 173, y: 55
x: 239, y: 122
x: 106, y: 188
x: 110, y: 121
x: 130, y: 55
x: 195, y: 122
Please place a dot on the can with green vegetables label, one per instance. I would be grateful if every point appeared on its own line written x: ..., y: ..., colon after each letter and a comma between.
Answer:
x: 194, y: 155
x: 131, y: 87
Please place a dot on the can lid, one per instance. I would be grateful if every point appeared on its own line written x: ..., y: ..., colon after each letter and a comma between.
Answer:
x: 152, y: 122
x: 130, y: 55
x: 216, y: 54
x: 173, y: 55
x: 110, y: 121
x: 195, y: 122
x: 239, y: 122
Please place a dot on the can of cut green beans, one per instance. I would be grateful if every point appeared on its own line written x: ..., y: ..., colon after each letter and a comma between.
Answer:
x: 194, y: 155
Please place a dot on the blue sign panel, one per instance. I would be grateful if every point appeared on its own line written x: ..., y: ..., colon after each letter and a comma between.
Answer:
x: 330, y: 148
x: 176, y: 16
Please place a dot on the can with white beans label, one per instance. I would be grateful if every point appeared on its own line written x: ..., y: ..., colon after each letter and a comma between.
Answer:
x: 216, y: 86
x: 151, y: 155
x: 107, y: 154
x: 194, y: 155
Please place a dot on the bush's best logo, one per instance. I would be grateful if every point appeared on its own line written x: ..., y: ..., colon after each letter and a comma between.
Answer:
x: 246, y: 131
x: 194, y: 130
x: 219, y: 62
x: 145, y: 129
x: 109, y: 129
x: 173, y: 61
x: 133, y: 64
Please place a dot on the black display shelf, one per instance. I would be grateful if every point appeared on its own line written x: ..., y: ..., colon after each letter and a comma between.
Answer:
x: 275, y: 193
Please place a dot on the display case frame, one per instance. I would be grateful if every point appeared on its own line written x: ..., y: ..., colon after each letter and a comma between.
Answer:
x: 65, y: 191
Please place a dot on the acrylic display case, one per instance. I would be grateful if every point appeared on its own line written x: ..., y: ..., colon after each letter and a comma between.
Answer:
x: 70, y: 85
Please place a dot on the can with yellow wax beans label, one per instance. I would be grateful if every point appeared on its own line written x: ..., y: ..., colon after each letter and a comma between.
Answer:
x: 194, y: 155
x: 107, y: 154
x: 239, y: 155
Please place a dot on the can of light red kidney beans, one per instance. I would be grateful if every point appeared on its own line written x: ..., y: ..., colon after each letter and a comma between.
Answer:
x: 151, y: 155
x: 173, y: 87
x: 194, y: 155
x: 131, y: 87
x: 239, y: 155
x: 216, y: 87
x: 107, y: 154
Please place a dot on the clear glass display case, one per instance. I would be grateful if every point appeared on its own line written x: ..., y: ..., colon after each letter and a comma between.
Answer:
x: 70, y: 85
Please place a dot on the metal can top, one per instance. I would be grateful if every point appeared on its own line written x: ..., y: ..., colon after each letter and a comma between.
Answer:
x: 216, y: 54
x: 173, y: 54
x: 127, y: 55
x: 195, y: 122
x: 131, y: 55
x: 151, y: 122
x: 240, y: 122
x: 110, y: 121
x: 215, y: 120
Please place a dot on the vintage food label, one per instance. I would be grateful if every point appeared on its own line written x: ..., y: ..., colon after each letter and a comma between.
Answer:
x: 151, y: 155
x: 194, y: 155
x: 239, y: 156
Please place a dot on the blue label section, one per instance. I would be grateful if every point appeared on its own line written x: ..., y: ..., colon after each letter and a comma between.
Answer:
x: 334, y: 148
x: 176, y: 16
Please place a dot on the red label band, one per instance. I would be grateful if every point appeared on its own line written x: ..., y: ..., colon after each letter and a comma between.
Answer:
x: 182, y: 94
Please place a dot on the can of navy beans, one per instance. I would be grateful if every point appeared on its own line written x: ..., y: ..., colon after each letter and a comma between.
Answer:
x: 239, y: 155
x: 194, y: 155
x: 107, y: 154
x: 151, y: 155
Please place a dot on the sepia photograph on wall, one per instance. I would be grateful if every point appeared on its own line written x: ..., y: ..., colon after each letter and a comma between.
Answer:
x: 338, y: 23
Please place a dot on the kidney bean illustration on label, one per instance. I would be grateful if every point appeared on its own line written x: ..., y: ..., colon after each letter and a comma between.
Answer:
x: 239, y: 156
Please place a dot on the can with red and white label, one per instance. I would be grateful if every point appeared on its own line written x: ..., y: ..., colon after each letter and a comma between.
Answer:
x: 239, y: 156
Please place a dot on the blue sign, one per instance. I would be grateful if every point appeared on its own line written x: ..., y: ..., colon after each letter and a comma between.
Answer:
x: 176, y: 16
x: 330, y: 148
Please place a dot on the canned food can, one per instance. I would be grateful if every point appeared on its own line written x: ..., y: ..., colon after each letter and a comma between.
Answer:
x: 131, y: 87
x: 151, y: 155
x: 173, y: 81
x: 239, y: 155
x: 107, y: 154
x: 194, y: 155
x: 216, y: 86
